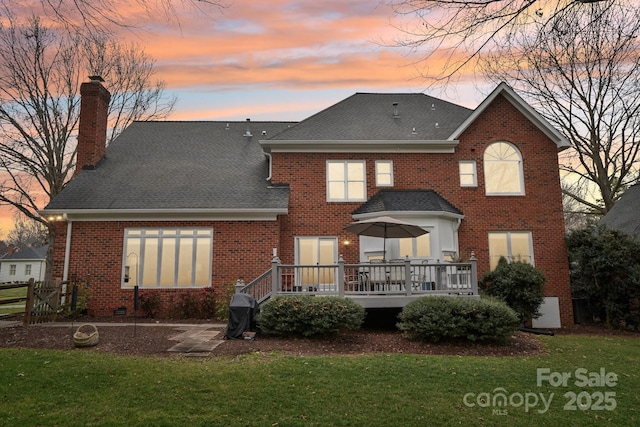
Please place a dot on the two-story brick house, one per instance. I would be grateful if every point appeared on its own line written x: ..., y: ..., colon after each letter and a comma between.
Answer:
x: 172, y: 206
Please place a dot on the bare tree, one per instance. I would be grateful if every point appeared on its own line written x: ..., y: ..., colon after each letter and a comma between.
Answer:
x: 581, y: 70
x: 463, y: 30
x: 27, y: 233
x: 104, y: 15
x: 40, y: 74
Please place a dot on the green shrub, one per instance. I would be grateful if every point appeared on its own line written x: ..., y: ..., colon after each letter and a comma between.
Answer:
x: 309, y: 316
x: 519, y: 284
x: 474, y: 319
x: 605, y: 271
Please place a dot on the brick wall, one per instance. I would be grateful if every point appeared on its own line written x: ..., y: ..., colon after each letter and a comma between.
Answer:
x: 92, y: 129
x: 241, y: 250
x: 539, y: 211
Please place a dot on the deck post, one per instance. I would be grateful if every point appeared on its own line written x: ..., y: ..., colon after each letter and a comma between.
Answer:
x: 239, y: 286
x: 340, y: 284
x: 275, y: 275
x: 474, y: 273
x: 407, y: 275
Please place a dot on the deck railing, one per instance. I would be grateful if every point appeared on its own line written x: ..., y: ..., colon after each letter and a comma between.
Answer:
x: 401, y: 277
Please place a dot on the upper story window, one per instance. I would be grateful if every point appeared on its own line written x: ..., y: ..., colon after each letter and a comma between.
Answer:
x: 346, y: 181
x: 384, y: 173
x: 468, y: 176
x: 503, y: 170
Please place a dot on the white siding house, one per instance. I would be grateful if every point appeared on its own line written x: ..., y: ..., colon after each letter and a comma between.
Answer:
x: 23, y: 265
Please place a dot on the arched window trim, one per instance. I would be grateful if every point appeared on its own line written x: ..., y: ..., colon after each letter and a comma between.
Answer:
x: 520, y: 171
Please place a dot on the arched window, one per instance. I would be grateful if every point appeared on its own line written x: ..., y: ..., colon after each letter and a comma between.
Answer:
x: 503, y: 170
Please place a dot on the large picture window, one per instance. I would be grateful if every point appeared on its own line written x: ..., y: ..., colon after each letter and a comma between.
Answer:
x: 513, y: 245
x: 503, y: 170
x: 167, y: 257
x: 346, y: 181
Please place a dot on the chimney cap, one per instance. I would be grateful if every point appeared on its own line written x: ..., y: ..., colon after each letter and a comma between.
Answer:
x: 96, y: 79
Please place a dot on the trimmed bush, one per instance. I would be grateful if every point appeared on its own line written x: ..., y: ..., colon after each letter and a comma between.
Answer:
x: 474, y: 319
x: 309, y: 316
x: 519, y: 284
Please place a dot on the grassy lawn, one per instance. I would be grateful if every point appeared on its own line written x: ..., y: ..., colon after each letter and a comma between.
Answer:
x: 82, y: 387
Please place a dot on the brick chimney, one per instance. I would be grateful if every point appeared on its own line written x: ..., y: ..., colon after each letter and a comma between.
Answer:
x: 92, y: 132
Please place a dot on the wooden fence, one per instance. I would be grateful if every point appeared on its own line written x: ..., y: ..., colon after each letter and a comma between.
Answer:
x: 42, y: 303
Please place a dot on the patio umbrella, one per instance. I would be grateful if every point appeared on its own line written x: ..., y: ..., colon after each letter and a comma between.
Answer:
x: 385, y: 227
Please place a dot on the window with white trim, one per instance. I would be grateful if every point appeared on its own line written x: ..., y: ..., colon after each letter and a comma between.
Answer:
x: 503, y: 173
x: 416, y: 247
x: 513, y: 245
x: 346, y: 181
x: 27, y: 269
x: 167, y: 257
x: 468, y: 176
x: 12, y: 270
x: 384, y: 173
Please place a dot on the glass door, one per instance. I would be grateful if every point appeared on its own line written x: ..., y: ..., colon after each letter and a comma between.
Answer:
x: 315, y: 258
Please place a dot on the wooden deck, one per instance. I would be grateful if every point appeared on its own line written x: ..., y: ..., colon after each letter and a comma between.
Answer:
x: 373, y: 285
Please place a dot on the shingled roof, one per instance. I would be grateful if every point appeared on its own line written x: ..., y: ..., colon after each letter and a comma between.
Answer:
x: 625, y: 214
x: 374, y: 117
x: 179, y: 166
x: 407, y: 201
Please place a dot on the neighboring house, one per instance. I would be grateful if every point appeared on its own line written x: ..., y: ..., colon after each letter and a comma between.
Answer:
x: 25, y: 264
x: 173, y: 206
x: 625, y: 214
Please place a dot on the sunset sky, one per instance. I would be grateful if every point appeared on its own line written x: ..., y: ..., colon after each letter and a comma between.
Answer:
x: 286, y: 59
x: 282, y: 59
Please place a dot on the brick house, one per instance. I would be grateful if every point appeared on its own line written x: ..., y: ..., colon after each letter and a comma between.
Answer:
x: 175, y: 206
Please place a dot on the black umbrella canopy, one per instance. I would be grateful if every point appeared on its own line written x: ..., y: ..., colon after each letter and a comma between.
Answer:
x: 385, y: 227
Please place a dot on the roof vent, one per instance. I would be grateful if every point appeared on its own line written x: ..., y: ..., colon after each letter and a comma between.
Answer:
x: 437, y: 125
x: 227, y: 127
x: 396, y: 112
x: 413, y: 131
x: 248, y: 133
x: 433, y: 106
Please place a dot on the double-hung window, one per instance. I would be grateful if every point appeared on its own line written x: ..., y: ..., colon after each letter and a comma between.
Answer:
x: 346, y: 181
x: 167, y: 257
x: 384, y: 173
x: 468, y: 176
x: 513, y: 245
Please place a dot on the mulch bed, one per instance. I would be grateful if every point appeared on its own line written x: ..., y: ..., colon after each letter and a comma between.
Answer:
x: 154, y: 341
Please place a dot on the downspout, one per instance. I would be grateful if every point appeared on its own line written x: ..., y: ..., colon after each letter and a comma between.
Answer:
x: 67, y: 252
x: 268, y: 155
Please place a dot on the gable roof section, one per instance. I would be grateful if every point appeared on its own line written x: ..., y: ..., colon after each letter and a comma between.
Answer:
x: 370, y: 122
x: 178, y: 169
x: 407, y: 201
x: 28, y: 254
x: 625, y: 214
x: 522, y: 106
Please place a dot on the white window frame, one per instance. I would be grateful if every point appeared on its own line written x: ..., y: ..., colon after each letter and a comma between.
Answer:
x: 473, y: 174
x: 12, y: 269
x: 516, y: 162
x: 379, y: 174
x: 27, y: 269
x: 133, y: 266
x: 510, y: 256
x: 346, y: 181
